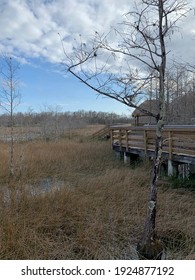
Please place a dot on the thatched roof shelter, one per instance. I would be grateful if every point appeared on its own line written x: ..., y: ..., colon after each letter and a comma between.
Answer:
x: 141, y: 117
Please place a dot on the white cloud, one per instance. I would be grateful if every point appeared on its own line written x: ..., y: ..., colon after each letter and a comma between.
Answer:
x: 29, y: 28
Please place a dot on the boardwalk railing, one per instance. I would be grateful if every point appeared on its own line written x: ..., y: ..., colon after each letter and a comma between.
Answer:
x: 105, y: 131
x: 178, y: 141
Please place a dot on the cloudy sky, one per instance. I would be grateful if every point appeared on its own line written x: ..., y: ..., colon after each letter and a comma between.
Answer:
x: 29, y: 32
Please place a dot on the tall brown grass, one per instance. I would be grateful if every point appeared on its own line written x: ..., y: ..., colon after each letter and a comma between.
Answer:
x: 97, y: 213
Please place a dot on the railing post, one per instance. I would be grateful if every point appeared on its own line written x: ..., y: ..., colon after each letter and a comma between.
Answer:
x: 172, y: 167
x: 126, y: 139
x: 170, y: 145
x: 145, y: 142
x: 111, y: 137
x: 120, y: 139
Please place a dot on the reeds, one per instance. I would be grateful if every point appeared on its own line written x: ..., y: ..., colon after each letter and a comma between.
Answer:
x: 97, y: 212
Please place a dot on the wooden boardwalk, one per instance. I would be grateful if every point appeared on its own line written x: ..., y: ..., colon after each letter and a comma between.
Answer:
x: 178, y: 141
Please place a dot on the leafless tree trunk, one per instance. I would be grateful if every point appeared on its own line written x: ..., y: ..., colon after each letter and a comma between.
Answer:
x: 10, y: 98
x: 141, y: 50
x: 149, y: 246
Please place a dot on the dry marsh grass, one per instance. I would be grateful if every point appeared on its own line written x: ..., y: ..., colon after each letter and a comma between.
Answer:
x: 99, y: 211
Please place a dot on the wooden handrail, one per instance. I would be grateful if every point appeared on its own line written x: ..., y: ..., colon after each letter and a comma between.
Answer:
x: 105, y: 130
x: 177, y: 139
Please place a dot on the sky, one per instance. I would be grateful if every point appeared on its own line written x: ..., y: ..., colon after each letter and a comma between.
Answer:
x: 30, y: 34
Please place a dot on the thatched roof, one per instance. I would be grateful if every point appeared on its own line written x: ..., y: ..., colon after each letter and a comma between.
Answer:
x: 142, y: 117
x: 149, y: 105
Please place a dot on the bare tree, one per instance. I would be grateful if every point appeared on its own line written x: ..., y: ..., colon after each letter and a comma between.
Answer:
x: 180, y: 94
x: 120, y: 65
x: 10, y: 98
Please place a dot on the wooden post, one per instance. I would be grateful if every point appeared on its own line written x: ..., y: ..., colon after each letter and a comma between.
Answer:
x: 170, y: 145
x: 126, y: 139
x: 111, y: 137
x: 120, y: 140
x: 145, y: 142
x: 172, y: 168
x: 126, y: 158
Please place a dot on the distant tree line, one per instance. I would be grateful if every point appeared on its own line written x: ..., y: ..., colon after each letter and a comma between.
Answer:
x: 63, y: 119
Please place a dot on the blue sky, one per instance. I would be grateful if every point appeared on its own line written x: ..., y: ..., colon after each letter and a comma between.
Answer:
x: 43, y: 86
x: 30, y: 35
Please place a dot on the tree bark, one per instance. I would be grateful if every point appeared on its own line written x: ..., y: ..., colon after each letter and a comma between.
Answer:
x: 150, y: 246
